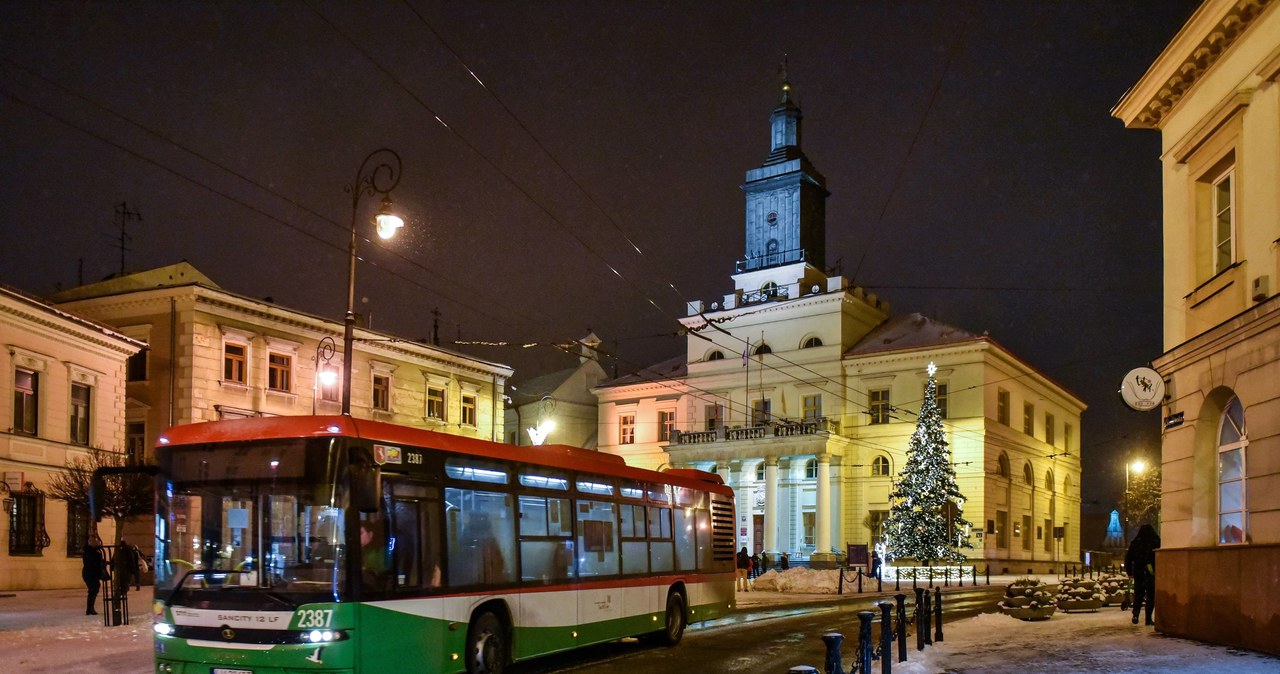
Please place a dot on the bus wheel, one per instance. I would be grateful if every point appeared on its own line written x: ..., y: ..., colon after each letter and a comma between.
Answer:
x: 486, y: 645
x: 676, y: 620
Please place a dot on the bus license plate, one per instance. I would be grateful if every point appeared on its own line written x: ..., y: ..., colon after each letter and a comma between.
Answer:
x: 220, y: 670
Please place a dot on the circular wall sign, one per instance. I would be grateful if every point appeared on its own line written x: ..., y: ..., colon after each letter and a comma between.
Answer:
x: 1142, y: 389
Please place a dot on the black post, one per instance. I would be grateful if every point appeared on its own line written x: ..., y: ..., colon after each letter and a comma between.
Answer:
x: 946, y: 576
x: 880, y: 582
x: 864, y: 641
x: 988, y: 574
x: 937, y: 614
x: 840, y: 583
x: 930, y: 568
x: 886, y: 637
x: 897, y: 579
x: 919, y: 619
x: 928, y: 618
x: 962, y: 575
x: 859, y: 581
x: 902, y: 626
x: 915, y: 573
x: 833, y: 664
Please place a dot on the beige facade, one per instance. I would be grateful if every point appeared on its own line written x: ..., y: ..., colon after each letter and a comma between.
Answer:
x: 65, y: 377
x: 216, y: 355
x: 1213, y: 95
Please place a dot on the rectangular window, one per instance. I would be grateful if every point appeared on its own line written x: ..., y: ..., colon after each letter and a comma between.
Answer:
x: 1067, y: 432
x: 627, y: 429
x: 381, y: 392
x: 1002, y: 529
x: 941, y: 394
x: 661, y: 546
x: 135, y: 441
x: 233, y: 359
x: 811, y: 406
x: 435, y: 403
x: 136, y: 367
x: 26, y: 523
x: 1029, y: 419
x: 1050, y: 428
x: 635, y: 546
x: 77, y: 529
x: 878, y: 405
x: 468, y: 410
x: 809, y: 523
x: 597, y: 539
x: 546, y: 543
x: 480, y: 530
x: 1026, y: 532
x: 80, y: 399
x: 26, y: 402
x: 279, y: 369
x: 1002, y: 407
x: 1048, y: 535
x: 715, y: 415
x: 666, y: 425
x: 760, y: 412
x: 329, y: 378
x: 1223, y: 222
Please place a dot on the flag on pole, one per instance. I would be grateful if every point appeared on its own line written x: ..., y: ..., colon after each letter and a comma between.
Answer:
x: 745, y: 349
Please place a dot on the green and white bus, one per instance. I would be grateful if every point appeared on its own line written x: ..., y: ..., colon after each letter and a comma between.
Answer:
x: 332, y: 544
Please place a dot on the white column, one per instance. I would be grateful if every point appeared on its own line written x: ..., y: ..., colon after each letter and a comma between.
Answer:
x: 771, y: 505
x: 822, y: 521
x: 837, y: 514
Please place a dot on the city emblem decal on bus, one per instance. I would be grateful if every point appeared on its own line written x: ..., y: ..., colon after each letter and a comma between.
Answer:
x: 383, y: 454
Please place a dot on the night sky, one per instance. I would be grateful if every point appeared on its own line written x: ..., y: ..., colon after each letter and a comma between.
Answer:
x: 976, y: 175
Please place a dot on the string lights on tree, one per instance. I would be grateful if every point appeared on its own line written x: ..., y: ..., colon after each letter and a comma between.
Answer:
x: 926, y: 519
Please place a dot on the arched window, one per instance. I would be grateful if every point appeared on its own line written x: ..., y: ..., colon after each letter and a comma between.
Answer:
x: 880, y: 466
x: 763, y: 349
x: 1066, y: 486
x: 811, y: 343
x: 769, y: 289
x: 811, y: 469
x: 1027, y: 475
x: 1233, y: 438
x: 1002, y: 469
x: 1048, y: 480
x: 760, y: 472
x: 715, y: 355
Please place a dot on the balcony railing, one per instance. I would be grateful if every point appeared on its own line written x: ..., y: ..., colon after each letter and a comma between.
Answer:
x: 772, y: 259
x: 781, y: 428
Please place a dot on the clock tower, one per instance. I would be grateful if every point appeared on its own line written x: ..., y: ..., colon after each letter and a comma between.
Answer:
x: 786, y: 204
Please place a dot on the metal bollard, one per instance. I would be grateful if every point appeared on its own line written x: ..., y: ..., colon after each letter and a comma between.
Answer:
x: 840, y: 582
x: 919, y: 616
x: 886, y: 637
x: 897, y: 580
x: 946, y: 577
x: 865, y: 647
x: 833, y: 664
x: 928, y: 618
x: 901, y: 599
x: 880, y: 582
x: 937, y: 614
x: 988, y: 573
x: 859, y: 581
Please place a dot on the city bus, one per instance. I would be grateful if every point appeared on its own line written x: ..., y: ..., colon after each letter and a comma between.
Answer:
x: 327, y: 543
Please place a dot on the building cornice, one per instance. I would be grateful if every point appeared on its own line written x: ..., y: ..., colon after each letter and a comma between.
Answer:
x: 1207, y: 35
x: 58, y: 320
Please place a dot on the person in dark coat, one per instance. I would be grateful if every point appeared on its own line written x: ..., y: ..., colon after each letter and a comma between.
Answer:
x: 875, y: 565
x: 92, y: 570
x: 124, y: 568
x: 1140, y: 564
x: 744, y: 568
x: 785, y: 562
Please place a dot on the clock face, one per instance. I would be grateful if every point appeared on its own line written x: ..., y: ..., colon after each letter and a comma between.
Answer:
x: 772, y: 218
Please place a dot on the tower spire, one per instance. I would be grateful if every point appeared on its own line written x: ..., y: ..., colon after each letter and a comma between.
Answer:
x: 786, y: 81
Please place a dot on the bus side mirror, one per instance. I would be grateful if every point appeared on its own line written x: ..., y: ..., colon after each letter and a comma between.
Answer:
x: 366, y: 481
x: 97, y: 497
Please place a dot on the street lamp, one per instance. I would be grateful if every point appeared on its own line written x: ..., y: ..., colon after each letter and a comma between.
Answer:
x: 378, y: 174
x: 324, y: 376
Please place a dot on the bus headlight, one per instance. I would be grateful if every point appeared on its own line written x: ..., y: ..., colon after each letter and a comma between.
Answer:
x: 163, y: 629
x: 322, y: 636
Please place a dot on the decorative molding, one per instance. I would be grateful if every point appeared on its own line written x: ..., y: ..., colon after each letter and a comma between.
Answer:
x: 1211, y: 124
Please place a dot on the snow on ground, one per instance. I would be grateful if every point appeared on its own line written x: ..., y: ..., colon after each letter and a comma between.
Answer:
x: 46, y: 631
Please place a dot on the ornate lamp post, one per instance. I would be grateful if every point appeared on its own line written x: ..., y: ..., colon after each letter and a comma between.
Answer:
x: 324, y: 376
x: 378, y: 174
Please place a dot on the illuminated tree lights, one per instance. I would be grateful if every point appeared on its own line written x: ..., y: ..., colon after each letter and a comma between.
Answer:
x: 926, y: 519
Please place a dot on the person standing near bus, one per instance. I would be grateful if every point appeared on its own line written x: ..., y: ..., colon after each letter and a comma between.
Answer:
x: 93, y: 569
x: 744, y: 567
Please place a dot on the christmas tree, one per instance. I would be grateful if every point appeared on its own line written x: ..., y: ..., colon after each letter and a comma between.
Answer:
x: 926, y: 521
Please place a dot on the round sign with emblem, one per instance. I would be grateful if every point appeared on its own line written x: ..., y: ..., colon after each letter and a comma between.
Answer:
x: 1142, y: 389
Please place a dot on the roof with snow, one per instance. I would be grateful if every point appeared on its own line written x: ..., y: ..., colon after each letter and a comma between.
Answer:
x: 909, y: 331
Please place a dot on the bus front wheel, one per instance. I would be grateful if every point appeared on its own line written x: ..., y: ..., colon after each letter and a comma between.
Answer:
x: 676, y: 620
x: 486, y: 645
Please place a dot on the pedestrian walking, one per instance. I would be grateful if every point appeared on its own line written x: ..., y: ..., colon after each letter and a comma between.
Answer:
x: 93, y: 569
x: 744, y: 567
x: 875, y: 565
x: 1140, y: 564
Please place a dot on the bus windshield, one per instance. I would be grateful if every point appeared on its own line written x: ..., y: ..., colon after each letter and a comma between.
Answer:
x: 265, y: 518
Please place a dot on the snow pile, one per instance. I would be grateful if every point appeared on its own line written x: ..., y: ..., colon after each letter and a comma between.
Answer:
x: 799, y: 580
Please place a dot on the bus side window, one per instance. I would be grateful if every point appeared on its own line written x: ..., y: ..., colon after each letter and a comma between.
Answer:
x: 597, y: 539
x: 546, y: 543
x: 661, y: 548
x: 635, y: 546
x: 481, y: 531
x: 415, y: 543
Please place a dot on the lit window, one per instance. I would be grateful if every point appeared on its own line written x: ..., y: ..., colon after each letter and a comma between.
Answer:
x: 233, y: 359
x: 1233, y: 439
x: 279, y: 369
x: 80, y: 397
x: 26, y: 402
x: 381, y: 392
x: 878, y: 405
x: 627, y: 429
x: 468, y: 410
x: 435, y: 403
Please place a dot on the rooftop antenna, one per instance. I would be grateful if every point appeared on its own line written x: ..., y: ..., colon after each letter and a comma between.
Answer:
x: 124, y: 215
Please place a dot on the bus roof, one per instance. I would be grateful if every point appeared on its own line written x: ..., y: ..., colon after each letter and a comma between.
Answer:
x: 557, y: 456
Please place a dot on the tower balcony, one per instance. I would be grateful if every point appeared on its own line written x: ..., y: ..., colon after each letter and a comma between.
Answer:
x: 771, y: 259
